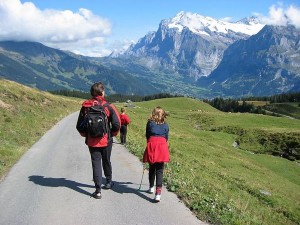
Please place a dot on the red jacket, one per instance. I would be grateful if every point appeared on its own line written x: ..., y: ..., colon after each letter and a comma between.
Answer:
x: 113, y: 118
x: 157, y: 150
x: 124, y: 119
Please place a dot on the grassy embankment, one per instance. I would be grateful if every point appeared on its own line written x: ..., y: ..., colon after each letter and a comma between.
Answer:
x: 220, y: 183
x: 25, y: 115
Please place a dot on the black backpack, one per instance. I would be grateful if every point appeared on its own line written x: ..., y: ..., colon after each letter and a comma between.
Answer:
x: 97, y: 121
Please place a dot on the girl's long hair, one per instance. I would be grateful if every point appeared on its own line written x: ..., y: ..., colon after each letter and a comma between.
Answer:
x: 158, y: 115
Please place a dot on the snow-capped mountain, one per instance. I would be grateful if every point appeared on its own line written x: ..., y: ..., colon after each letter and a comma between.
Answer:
x: 224, y: 58
x: 199, y: 24
x: 190, y: 44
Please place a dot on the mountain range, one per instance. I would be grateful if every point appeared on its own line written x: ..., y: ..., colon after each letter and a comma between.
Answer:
x: 267, y: 63
x: 37, y: 65
x: 190, y: 44
x: 189, y: 54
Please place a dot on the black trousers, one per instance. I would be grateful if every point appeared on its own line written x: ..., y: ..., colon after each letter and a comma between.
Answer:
x: 156, y: 170
x: 100, y: 157
x: 123, y: 133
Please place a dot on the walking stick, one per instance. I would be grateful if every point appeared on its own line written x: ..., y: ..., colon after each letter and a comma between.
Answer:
x: 142, y: 177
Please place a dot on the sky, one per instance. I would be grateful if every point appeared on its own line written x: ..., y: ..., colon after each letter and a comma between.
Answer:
x: 98, y: 27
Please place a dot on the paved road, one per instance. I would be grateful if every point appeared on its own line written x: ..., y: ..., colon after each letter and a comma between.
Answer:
x: 52, y: 183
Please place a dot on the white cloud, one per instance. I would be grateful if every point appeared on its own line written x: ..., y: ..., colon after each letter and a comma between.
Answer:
x: 90, y: 47
x: 81, y: 32
x: 293, y: 13
x: 121, y: 45
x: 283, y: 16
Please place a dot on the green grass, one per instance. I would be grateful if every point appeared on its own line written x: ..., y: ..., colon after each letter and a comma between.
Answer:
x: 288, y: 109
x: 255, y: 132
x: 25, y: 115
x: 219, y: 183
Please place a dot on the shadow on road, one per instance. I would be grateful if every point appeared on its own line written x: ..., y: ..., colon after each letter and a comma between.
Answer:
x: 60, y: 182
x: 122, y: 187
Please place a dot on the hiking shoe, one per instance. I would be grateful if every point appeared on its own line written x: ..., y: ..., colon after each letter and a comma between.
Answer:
x: 157, y: 197
x: 151, y: 190
x: 108, y: 185
x: 96, y: 195
x: 157, y: 194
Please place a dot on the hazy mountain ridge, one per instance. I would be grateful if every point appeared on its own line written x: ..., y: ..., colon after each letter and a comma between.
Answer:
x: 45, y: 68
x: 267, y: 63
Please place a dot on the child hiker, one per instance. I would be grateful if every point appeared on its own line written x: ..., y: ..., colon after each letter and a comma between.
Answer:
x: 157, y: 151
x: 125, y: 120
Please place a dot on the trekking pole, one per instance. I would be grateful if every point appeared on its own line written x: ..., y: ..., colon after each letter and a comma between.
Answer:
x: 142, y: 176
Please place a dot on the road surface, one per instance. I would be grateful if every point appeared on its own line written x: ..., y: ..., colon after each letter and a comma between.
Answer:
x: 52, y: 183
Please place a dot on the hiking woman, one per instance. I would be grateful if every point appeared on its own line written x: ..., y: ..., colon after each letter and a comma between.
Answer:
x: 125, y: 120
x: 100, y: 147
x: 157, y: 151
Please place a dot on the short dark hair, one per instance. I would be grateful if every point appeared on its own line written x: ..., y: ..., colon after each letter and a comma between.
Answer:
x: 97, y: 89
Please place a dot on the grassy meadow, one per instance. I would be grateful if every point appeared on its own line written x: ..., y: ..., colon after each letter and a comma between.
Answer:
x: 291, y: 109
x: 257, y: 103
x: 25, y: 115
x: 222, y: 184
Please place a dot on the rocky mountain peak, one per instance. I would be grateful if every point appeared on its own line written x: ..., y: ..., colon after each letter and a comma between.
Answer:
x: 252, y: 20
x: 264, y: 64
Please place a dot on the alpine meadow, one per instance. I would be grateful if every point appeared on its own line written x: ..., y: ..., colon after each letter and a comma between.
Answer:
x: 220, y: 183
x: 26, y: 114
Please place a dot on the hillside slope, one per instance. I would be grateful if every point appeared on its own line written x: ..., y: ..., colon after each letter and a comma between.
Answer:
x: 25, y: 115
x: 288, y: 109
x: 45, y: 68
x: 221, y: 183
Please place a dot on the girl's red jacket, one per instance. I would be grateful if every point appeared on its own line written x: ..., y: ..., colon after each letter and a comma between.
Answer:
x: 113, y: 118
